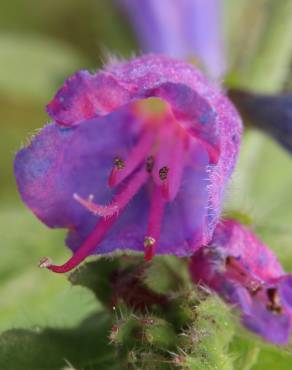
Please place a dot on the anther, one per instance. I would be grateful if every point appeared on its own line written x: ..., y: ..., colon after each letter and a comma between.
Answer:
x: 274, y: 301
x: 149, y: 163
x: 254, y: 287
x: 149, y: 241
x: 119, y: 163
x: 45, y: 262
x: 233, y: 264
x: 229, y: 261
x: 163, y: 172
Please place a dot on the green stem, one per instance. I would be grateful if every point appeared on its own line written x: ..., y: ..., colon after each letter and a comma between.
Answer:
x: 251, y: 358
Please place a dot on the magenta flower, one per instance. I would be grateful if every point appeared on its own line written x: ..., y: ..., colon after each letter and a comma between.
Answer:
x: 246, y: 273
x: 181, y: 29
x: 137, y: 158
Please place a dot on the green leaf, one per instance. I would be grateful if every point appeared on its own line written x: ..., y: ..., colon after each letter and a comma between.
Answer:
x: 167, y: 273
x: 245, y: 350
x: 270, y: 358
x: 29, y: 295
x: 84, y: 347
x: 96, y: 276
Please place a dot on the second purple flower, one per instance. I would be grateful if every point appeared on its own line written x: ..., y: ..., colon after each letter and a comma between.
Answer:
x: 182, y: 29
x: 247, y: 274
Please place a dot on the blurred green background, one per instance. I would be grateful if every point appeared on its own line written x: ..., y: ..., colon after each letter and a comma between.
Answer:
x: 42, y: 43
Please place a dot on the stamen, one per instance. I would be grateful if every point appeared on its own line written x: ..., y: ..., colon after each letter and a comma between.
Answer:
x: 95, y: 237
x: 177, y: 166
x: 163, y: 172
x: 274, y: 303
x: 88, y: 246
x: 45, y: 262
x: 135, y: 157
x: 119, y: 163
x: 235, y: 270
x: 149, y: 163
x: 154, y: 224
x: 169, y: 163
x: 149, y: 241
x: 234, y: 267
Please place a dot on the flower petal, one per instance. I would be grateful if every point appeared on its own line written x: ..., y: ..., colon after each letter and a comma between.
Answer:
x: 62, y: 161
x: 285, y: 290
x: 197, y: 105
x: 274, y: 328
x: 102, y: 124
x: 86, y: 96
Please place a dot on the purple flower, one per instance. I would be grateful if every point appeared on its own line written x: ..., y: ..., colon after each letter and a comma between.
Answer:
x: 270, y: 113
x: 246, y: 273
x: 181, y: 29
x: 137, y: 158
